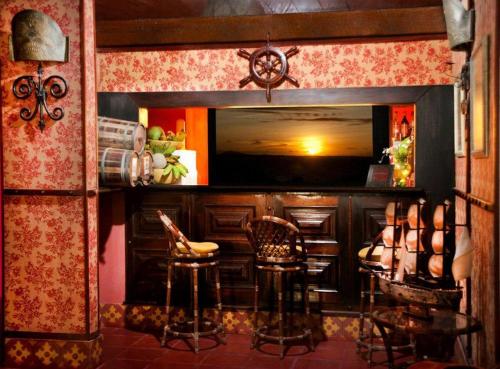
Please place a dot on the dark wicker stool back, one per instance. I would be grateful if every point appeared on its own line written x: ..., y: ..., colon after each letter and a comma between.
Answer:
x: 274, y: 241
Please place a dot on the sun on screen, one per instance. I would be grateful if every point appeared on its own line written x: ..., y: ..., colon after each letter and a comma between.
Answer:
x: 312, y: 145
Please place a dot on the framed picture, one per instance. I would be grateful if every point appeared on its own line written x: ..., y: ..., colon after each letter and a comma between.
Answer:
x: 459, y: 95
x: 380, y: 175
x: 479, y: 80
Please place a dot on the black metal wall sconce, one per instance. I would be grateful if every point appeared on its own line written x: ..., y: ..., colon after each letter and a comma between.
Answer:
x: 37, y: 37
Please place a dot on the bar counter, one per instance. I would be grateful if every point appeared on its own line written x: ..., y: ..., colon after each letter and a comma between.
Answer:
x: 336, y: 224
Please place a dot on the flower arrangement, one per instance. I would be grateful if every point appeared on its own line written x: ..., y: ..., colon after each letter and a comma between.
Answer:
x: 399, y: 154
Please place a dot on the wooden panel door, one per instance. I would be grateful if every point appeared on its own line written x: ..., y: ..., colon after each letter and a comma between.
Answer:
x: 320, y: 218
x: 146, y: 242
x: 222, y: 218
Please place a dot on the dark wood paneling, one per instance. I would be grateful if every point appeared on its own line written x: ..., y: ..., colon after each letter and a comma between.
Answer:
x: 317, y: 216
x: 435, y: 164
x: 133, y: 9
x: 335, y: 226
x: 119, y: 106
x: 302, y: 97
x: 147, y: 270
x: 390, y: 23
x: 223, y: 217
x: 146, y: 242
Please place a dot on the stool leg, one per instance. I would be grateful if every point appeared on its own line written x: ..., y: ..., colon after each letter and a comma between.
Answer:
x: 255, y: 308
x: 281, y: 303
x: 372, y: 305
x: 305, y: 296
x: 219, y: 301
x: 361, y: 330
x: 292, y: 299
x: 169, y: 293
x: 195, y: 311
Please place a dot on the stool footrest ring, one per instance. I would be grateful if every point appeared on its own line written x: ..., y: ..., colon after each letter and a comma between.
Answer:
x: 266, y: 333
x: 186, y: 329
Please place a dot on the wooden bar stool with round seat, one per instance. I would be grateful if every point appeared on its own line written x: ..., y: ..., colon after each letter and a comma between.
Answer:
x: 274, y: 241
x: 183, y: 253
x: 371, y: 259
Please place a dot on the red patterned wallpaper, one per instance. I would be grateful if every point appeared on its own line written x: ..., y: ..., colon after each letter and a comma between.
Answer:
x: 316, y: 66
x: 45, y: 237
x: 44, y: 264
x: 52, y: 159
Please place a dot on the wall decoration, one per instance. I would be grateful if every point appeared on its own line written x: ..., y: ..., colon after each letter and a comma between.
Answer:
x: 329, y: 65
x: 37, y: 37
x: 479, y: 99
x: 268, y: 67
x: 459, y: 101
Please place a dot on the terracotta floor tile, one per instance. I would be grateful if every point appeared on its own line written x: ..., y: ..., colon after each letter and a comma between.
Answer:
x: 226, y: 360
x: 316, y: 364
x: 124, y: 349
x: 162, y: 365
x: 110, y: 352
x: 124, y: 364
x: 182, y: 357
x: 120, y: 340
x: 139, y: 353
x: 148, y: 341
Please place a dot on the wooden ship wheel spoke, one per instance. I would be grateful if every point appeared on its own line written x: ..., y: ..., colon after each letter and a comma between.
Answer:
x: 268, y: 67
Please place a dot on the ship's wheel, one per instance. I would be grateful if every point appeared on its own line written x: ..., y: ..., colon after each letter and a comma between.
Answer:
x: 268, y: 67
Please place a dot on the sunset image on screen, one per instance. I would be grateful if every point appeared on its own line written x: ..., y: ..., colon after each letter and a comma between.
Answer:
x: 333, y: 131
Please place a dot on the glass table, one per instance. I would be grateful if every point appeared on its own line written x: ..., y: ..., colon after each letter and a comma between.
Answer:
x: 444, y: 323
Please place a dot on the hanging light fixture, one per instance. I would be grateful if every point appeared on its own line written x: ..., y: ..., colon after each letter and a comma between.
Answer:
x: 37, y: 37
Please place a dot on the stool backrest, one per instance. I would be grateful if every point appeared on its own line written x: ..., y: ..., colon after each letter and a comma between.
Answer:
x: 274, y: 238
x: 174, y: 235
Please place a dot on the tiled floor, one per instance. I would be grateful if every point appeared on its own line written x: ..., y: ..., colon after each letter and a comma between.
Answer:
x: 125, y: 349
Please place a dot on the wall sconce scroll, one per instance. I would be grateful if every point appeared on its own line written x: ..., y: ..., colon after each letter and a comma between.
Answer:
x: 37, y: 37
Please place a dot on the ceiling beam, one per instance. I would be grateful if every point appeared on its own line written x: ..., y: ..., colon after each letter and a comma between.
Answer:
x: 423, y: 22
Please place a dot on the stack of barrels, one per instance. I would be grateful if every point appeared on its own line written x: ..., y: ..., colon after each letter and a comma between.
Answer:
x: 122, y: 159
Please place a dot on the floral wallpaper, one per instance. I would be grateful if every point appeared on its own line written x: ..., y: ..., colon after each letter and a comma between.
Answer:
x: 93, y: 263
x: 89, y: 72
x: 44, y: 264
x: 90, y: 139
x: 52, y: 159
x: 316, y: 66
x: 46, y: 254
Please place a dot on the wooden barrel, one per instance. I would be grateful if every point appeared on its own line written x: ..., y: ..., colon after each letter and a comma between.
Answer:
x: 146, y: 167
x: 118, y: 167
x: 121, y: 134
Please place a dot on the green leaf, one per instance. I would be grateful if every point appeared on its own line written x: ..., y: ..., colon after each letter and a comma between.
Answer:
x: 170, y: 150
x: 181, y: 168
x: 176, y: 173
x: 168, y: 169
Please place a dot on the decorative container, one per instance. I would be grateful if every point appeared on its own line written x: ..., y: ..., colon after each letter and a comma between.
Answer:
x: 118, y: 167
x: 121, y: 134
x: 146, y: 167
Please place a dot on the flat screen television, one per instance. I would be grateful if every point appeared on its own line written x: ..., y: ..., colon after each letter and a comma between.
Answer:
x: 296, y: 146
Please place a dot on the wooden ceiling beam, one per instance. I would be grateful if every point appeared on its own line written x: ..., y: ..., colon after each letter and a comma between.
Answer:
x: 402, y: 23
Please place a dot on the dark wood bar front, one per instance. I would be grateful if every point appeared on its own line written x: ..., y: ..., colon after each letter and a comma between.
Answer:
x: 336, y: 224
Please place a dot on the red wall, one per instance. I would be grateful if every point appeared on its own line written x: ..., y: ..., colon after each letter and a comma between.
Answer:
x: 165, y: 118
x: 112, y: 248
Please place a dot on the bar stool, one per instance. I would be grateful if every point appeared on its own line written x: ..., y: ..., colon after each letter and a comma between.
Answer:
x: 372, y: 259
x: 366, y: 256
x: 183, y: 253
x: 274, y: 242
